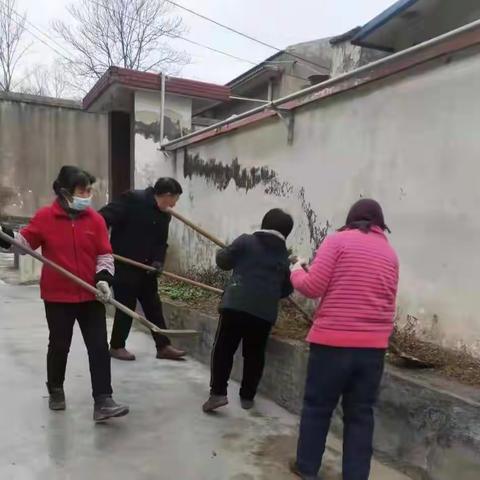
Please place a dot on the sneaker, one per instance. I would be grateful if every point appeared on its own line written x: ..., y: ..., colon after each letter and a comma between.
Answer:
x: 247, y: 404
x: 122, y: 354
x: 294, y: 469
x: 56, y: 400
x: 214, y: 402
x: 170, y: 353
x: 105, y: 408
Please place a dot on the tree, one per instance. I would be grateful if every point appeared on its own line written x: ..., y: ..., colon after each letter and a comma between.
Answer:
x: 125, y: 33
x: 12, y: 47
x: 46, y: 81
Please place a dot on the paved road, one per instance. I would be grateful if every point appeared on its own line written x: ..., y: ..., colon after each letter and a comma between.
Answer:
x: 166, y: 436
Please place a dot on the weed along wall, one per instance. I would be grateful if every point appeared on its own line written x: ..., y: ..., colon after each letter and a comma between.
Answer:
x: 407, y: 140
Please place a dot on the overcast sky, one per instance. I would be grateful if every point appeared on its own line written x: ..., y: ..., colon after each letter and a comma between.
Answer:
x: 278, y: 22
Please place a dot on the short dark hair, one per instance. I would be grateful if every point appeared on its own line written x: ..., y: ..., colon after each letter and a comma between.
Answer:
x: 71, y: 177
x: 167, y: 185
x: 278, y: 220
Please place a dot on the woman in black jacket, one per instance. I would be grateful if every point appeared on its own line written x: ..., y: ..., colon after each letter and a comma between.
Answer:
x: 249, y: 306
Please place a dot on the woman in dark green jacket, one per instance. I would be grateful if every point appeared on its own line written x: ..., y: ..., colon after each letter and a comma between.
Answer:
x: 249, y: 305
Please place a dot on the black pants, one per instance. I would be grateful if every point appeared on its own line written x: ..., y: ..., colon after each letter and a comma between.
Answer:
x: 253, y: 332
x: 91, y: 319
x: 353, y: 374
x: 129, y: 287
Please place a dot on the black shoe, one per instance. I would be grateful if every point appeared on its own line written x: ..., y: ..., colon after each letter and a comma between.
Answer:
x: 214, y: 402
x: 105, y: 408
x: 294, y: 469
x: 247, y: 404
x: 56, y: 400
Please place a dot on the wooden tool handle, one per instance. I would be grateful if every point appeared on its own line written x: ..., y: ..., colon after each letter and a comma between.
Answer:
x: 90, y: 288
x: 173, y: 276
x: 198, y: 229
x: 218, y: 242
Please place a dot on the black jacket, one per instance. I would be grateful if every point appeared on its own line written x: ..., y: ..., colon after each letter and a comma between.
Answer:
x: 139, y: 227
x: 261, y: 275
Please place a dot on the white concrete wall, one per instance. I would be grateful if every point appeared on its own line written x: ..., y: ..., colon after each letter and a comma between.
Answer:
x: 411, y: 142
x: 150, y: 163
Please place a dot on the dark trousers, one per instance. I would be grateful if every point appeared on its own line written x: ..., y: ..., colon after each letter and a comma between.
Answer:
x: 234, y: 327
x: 91, y: 319
x: 353, y: 374
x: 130, y: 287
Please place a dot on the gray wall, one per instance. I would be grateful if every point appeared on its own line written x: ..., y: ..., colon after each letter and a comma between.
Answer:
x: 37, y: 137
x: 409, y: 141
x: 297, y: 72
x: 347, y: 57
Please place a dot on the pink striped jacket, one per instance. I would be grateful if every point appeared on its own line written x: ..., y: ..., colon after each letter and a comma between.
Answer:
x: 355, y: 275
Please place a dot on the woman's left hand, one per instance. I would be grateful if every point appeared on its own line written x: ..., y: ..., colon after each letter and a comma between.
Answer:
x: 104, y: 292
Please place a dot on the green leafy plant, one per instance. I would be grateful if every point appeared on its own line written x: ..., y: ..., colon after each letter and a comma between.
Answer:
x: 183, y: 293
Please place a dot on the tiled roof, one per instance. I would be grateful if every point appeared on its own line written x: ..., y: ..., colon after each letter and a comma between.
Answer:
x: 153, y: 81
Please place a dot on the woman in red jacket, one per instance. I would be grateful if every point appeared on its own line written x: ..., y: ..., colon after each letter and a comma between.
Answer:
x: 75, y: 236
x: 355, y: 274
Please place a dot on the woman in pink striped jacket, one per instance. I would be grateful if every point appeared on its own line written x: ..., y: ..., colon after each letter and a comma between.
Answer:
x: 355, y: 274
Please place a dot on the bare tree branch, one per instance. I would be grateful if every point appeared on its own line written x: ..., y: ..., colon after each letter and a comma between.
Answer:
x: 127, y: 33
x: 46, y: 81
x: 12, y: 48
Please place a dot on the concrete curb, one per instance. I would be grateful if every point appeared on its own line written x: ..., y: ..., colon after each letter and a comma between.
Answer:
x: 425, y: 425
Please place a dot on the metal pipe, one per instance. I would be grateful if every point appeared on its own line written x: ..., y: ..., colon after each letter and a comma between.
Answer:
x: 162, y: 109
x: 93, y: 290
x: 270, y: 90
x: 314, y: 88
x: 246, y: 99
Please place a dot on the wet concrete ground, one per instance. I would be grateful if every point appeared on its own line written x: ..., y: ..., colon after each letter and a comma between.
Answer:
x: 165, y: 437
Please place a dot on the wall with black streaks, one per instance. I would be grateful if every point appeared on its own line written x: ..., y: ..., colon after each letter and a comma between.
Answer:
x: 150, y: 162
x: 219, y: 175
x: 391, y: 140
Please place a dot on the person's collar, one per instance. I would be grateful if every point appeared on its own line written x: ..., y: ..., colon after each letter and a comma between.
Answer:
x: 58, y: 208
x: 376, y: 229
x: 272, y: 232
x: 152, y: 200
x: 150, y: 195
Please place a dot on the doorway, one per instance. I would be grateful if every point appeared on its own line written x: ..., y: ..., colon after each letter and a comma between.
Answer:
x: 120, y: 153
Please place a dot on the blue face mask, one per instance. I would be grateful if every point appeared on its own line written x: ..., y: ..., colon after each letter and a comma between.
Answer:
x: 80, y: 203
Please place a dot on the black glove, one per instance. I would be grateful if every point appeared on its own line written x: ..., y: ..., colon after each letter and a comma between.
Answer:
x: 9, y: 232
x: 158, y: 266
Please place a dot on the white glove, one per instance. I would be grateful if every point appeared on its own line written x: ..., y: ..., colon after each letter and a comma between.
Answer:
x: 300, y: 264
x: 105, y: 294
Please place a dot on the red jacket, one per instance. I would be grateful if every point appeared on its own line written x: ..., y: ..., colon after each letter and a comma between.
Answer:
x: 73, y: 244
